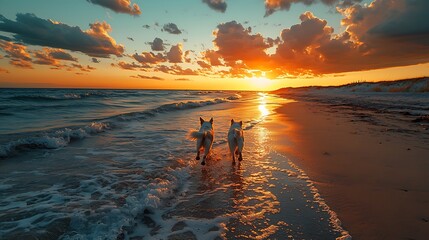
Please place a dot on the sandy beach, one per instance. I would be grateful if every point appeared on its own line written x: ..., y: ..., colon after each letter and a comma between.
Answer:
x: 372, y: 171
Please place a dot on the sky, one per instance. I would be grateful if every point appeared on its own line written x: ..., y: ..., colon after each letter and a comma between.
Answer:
x: 210, y: 44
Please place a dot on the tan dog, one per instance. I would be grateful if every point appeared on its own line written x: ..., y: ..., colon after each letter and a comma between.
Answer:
x: 204, y: 138
x: 236, y: 140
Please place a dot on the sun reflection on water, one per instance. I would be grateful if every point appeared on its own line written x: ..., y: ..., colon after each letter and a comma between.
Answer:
x: 263, y: 105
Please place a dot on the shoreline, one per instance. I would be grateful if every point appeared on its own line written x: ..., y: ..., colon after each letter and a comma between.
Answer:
x: 375, y: 180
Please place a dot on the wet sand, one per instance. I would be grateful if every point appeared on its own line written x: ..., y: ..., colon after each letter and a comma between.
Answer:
x: 373, y: 177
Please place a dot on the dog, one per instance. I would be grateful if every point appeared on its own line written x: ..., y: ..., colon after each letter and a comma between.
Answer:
x: 204, y: 138
x: 236, y: 140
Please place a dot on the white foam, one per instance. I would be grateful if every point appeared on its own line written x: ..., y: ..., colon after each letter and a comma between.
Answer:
x: 58, y: 139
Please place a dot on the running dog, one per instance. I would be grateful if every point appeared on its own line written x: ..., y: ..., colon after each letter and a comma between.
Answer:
x: 236, y: 140
x: 204, y: 138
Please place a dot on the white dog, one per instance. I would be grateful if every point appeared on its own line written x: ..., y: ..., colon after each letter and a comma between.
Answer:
x: 204, y: 138
x: 236, y: 140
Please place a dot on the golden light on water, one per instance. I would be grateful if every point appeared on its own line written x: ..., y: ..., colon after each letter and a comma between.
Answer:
x: 263, y: 104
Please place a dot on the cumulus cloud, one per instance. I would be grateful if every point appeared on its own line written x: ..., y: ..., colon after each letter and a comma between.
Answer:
x: 175, y: 55
x: 95, y: 60
x: 217, y: 5
x: 119, y: 6
x: 157, y: 45
x: 212, y: 57
x: 236, y: 43
x: 370, y: 41
x: 171, y: 28
x: 30, y: 29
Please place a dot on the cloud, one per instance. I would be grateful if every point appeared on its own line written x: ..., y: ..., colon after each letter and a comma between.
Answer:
x: 127, y: 66
x: 148, y: 77
x: 182, y: 79
x: 274, y: 5
x: 119, y: 6
x: 86, y: 68
x: 52, y: 57
x: 30, y: 29
x: 176, y: 70
x: 149, y: 58
x: 218, y: 5
x: 95, y: 60
x: 236, y: 43
x: 130, y: 38
x: 171, y: 28
x: 146, y: 26
x: 204, y: 64
x: 175, y: 55
x: 157, y: 45
x: 17, y: 53
x: 212, y: 57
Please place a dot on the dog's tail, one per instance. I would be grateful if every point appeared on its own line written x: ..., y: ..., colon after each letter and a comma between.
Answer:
x: 194, y: 135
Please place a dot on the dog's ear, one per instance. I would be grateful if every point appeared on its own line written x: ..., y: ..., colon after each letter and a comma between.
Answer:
x: 241, y: 123
x: 201, y: 121
x: 211, y: 120
x: 232, y: 121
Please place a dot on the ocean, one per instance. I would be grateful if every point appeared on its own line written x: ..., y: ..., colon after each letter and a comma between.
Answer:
x: 116, y: 164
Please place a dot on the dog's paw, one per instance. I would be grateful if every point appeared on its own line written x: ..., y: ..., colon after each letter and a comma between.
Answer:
x: 197, y: 158
x: 203, y: 163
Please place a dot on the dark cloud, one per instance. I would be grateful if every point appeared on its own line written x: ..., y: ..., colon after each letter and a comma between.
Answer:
x: 175, y: 55
x: 171, y: 28
x: 30, y: 29
x: 204, y: 64
x: 127, y: 66
x: 119, y: 6
x: 95, y: 60
x: 273, y: 5
x: 218, y: 5
x: 61, y: 55
x: 52, y: 57
x: 157, y: 45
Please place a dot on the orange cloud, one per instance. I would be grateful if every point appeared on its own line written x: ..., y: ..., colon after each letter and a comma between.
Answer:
x: 175, y: 55
x: 17, y: 53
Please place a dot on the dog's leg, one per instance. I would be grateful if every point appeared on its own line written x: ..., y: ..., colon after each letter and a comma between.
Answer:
x: 199, y: 145
x: 240, y: 146
x: 232, y: 150
x: 207, y: 146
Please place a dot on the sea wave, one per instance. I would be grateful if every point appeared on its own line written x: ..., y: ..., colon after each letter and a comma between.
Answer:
x: 57, y: 139
x: 173, y: 107
x: 62, y: 137
x: 66, y: 96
